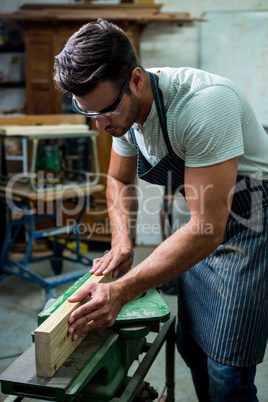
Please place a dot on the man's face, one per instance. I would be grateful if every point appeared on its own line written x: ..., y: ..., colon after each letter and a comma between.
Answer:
x: 104, y: 95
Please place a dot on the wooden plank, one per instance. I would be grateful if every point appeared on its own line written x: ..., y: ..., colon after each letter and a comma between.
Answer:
x: 113, y: 15
x: 145, y: 4
x: 53, y: 344
x: 50, y: 119
x: 23, y: 192
x: 34, y: 131
x: 89, y: 15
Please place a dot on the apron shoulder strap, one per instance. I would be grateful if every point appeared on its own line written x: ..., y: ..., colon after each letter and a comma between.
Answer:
x: 133, y: 137
x: 159, y: 102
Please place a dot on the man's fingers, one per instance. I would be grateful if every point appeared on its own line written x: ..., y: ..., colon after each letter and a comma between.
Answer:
x: 101, y: 266
x: 84, y: 292
x: 85, y: 324
x: 80, y: 294
x: 81, y: 331
x: 99, y: 312
x: 82, y: 311
x: 89, y: 321
x: 117, y: 260
x: 116, y: 265
x: 81, y: 317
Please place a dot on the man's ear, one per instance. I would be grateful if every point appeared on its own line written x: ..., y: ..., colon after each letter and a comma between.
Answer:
x: 136, y: 78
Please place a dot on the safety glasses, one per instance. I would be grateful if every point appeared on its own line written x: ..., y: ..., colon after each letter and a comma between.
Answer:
x: 112, y: 111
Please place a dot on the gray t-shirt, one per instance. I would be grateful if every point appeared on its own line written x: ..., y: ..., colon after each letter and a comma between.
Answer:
x: 209, y: 121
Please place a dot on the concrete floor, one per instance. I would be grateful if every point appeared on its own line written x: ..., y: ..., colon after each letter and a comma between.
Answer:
x: 21, y: 301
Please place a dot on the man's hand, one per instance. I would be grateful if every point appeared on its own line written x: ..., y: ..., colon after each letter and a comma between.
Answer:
x: 118, y: 259
x: 100, y: 312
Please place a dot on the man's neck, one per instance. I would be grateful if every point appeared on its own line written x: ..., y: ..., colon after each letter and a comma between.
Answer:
x: 147, y: 100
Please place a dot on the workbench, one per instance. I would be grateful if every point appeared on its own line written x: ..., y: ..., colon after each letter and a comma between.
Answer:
x: 27, y: 199
x: 52, y: 132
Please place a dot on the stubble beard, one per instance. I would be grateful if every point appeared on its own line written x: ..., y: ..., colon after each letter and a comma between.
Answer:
x: 133, y: 114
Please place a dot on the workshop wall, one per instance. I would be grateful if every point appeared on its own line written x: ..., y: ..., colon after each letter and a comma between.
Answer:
x: 165, y: 44
x: 171, y: 45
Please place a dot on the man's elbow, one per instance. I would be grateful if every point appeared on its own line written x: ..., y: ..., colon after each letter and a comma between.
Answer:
x: 216, y: 237
x: 210, y: 234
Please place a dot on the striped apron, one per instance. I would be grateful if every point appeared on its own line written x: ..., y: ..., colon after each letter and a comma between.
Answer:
x: 222, y: 300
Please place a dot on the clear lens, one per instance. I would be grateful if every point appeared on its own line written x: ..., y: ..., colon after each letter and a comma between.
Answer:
x: 108, y: 115
x: 105, y: 115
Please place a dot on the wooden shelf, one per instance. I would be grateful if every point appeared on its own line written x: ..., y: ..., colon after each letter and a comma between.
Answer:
x: 141, y: 13
x: 90, y: 6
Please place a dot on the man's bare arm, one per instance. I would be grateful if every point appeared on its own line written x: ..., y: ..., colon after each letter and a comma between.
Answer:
x: 209, y: 193
x: 122, y: 206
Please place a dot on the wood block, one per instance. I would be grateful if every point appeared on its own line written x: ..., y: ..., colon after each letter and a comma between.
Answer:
x: 53, y: 344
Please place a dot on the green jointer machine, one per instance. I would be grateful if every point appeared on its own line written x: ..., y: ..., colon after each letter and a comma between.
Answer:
x: 98, y: 370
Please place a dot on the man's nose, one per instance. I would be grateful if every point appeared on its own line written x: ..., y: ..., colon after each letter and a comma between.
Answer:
x: 102, y: 123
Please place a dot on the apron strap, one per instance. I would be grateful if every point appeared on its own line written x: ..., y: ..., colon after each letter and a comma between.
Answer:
x: 159, y: 102
x: 133, y: 138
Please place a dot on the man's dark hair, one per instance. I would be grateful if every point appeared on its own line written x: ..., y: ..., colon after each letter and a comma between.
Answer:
x: 98, y: 51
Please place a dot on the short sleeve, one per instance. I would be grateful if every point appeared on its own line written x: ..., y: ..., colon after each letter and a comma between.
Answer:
x: 212, y: 127
x: 123, y: 147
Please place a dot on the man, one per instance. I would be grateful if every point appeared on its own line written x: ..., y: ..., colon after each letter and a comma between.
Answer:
x: 196, y: 132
